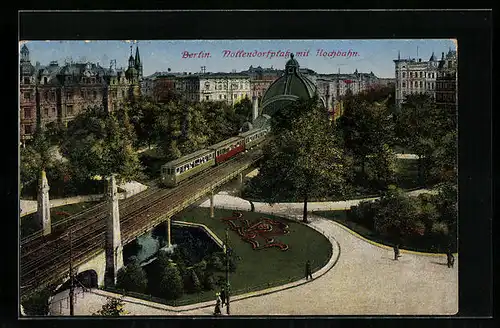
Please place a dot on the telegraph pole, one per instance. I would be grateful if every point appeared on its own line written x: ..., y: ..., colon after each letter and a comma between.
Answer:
x: 227, y: 271
x: 71, y: 286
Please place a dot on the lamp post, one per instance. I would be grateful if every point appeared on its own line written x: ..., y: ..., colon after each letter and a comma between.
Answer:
x: 71, y: 286
x: 227, y: 271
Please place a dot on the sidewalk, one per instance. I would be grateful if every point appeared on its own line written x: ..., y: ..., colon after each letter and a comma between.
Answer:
x: 224, y: 200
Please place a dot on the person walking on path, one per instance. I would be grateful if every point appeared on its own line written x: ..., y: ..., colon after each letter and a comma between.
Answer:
x: 396, y: 252
x: 223, y: 296
x: 308, y: 270
x: 217, y: 310
x: 252, y: 206
x: 450, y: 259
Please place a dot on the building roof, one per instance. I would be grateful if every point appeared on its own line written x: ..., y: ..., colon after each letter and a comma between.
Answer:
x: 289, y: 87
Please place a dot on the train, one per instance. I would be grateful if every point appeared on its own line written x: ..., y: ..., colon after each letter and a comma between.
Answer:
x: 178, y: 170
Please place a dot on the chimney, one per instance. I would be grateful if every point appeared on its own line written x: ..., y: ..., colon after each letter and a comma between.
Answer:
x: 255, y: 108
x: 442, y: 56
x: 420, y: 60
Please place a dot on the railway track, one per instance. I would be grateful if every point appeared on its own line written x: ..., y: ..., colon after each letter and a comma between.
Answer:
x: 89, y: 234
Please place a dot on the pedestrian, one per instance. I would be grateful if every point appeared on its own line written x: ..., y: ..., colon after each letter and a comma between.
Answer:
x: 217, y: 310
x: 450, y: 259
x: 223, y: 296
x: 252, y: 206
x: 396, y: 252
x: 308, y: 270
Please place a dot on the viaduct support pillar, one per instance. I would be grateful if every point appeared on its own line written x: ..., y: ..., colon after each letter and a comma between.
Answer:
x: 169, y: 234
x: 212, y: 204
x: 114, y: 248
x: 240, y: 183
x: 43, y: 209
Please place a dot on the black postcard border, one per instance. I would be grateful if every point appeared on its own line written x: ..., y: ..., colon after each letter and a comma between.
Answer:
x: 474, y: 34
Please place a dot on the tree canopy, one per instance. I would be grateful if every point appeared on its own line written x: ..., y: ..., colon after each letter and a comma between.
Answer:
x: 99, y: 143
x: 302, y: 157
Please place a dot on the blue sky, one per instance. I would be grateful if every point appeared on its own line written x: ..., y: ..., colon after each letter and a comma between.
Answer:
x: 372, y: 55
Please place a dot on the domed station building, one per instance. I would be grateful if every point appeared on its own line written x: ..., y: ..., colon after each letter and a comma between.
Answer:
x: 288, y: 88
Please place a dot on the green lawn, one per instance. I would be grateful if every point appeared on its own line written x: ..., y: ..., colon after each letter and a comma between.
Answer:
x: 260, y: 269
x: 30, y: 224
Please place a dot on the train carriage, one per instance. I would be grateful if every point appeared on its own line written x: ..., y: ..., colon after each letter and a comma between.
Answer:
x: 226, y: 149
x: 253, y: 137
x: 184, y: 167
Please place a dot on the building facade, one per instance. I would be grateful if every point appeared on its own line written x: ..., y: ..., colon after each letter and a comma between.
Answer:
x: 446, y: 82
x: 56, y: 93
x: 415, y: 77
x: 228, y: 87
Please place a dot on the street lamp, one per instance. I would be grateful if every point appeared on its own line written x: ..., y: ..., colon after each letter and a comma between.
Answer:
x: 227, y: 270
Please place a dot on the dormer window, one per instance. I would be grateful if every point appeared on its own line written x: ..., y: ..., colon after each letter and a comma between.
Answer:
x: 290, y: 70
x: 45, y: 80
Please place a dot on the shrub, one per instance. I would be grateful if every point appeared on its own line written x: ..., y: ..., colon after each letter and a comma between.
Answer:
x: 171, y: 286
x: 208, y: 281
x: 38, y: 303
x: 113, y: 307
x: 132, y: 278
x: 191, y: 282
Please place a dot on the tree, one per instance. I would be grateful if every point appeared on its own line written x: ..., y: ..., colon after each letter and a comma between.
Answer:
x: 395, y: 216
x: 302, y: 158
x: 171, y: 285
x: 112, y: 308
x: 367, y: 130
x: 415, y: 129
x: 101, y: 144
x: 143, y: 117
x: 38, y: 302
x: 132, y: 278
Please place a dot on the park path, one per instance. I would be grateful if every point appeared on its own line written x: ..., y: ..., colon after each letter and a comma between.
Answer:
x: 364, y: 281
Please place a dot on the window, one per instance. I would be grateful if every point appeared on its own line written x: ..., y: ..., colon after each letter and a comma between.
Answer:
x: 28, y: 129
x: 69, y: 95
x: 69, y: 109
x: 404, y: 85
x: 53, y: 110
x: 46, y: 95
x: 27, y: 95
x: 420, y: 83
x: 220, y: 96
x: 421, y: 74
x: 404, y: 75
x: 26, y: 80
x: 95, y: 94
x: 53, y: 96
x: 27, y: 113
x: 46, y: 112
x: 411, y: 74
x: 123, y: 93
x: 207, y: 97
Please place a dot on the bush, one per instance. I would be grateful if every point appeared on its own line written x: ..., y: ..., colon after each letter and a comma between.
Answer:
x: 191, y: 282
x: 171, y: 286
x: 38, y: 303
x: 132, y: 278
x: 208, y: 281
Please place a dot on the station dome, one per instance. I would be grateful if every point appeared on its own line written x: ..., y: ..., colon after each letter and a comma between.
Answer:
x: 289, y: 87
